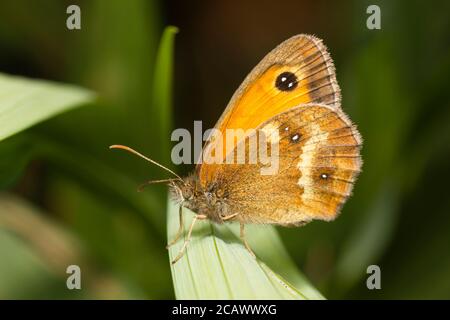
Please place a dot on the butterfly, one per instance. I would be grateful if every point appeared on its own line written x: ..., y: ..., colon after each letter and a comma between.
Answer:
x: 292, y: 96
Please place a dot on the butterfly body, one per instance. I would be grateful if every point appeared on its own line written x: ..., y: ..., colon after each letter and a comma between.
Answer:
x: 214, y: 202
x: 210, y: 201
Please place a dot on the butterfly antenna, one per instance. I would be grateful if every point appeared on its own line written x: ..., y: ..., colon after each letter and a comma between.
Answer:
x: 118, y: 146
x: 146, y: 183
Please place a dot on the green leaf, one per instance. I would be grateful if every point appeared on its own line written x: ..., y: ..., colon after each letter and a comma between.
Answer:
x: 216, y: 265
x: 15, y: 153
x: 162, y: 88
x: 25, y: 102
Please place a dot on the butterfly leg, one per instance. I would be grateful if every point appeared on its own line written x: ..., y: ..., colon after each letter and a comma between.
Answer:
x: 231, y: 216
x: 245, y: 241
x: 183, y: 248
x: 180, y: 228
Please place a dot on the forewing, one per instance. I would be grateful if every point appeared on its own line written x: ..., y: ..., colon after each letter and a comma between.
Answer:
x: 303, y: 58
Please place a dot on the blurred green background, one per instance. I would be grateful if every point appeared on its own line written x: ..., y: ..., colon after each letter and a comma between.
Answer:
x: 66, y: 199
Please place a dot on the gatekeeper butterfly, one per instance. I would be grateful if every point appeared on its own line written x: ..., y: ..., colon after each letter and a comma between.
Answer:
x: 292, y: 92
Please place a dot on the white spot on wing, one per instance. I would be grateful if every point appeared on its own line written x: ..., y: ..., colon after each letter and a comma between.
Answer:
x: 305, y: 164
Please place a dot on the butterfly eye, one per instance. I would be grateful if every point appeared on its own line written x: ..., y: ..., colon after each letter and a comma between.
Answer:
x: 287, y: 81
x: 188, y: 194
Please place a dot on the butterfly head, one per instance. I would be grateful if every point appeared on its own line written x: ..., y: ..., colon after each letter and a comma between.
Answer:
x: 210, y: 201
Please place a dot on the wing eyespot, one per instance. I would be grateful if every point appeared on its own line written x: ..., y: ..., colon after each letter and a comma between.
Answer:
x: 286, y: 81
x: 324, y: 176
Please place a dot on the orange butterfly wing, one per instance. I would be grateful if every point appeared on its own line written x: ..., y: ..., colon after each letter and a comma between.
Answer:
x: 319, y: 161
x: 296, y: 72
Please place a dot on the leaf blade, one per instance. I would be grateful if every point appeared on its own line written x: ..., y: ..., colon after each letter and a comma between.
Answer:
x: 26, y: 102
x: 162, y: 88
x: 217, y: 266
